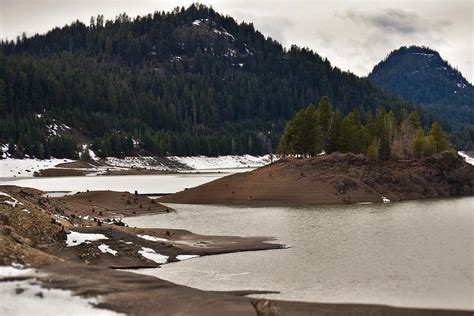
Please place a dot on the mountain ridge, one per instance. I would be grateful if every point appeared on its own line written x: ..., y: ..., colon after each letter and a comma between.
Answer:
x: 423, y: 77
x: 186, y: 82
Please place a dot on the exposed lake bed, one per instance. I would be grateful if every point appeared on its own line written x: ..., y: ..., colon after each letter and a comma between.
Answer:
x: 413, y: 254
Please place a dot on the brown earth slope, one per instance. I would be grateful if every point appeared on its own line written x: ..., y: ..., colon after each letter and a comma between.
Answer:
x: 337, y: 178
x: 109, y: 204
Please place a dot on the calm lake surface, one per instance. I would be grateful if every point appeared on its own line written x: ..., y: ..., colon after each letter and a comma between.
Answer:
x: 417, y: 254
x: 160, y: 183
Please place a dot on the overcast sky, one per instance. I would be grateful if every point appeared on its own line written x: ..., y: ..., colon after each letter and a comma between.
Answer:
x: 353, y: 35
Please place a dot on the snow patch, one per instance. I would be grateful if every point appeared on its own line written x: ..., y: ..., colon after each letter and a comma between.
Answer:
x: 199, y: 22
x: 106, y: 249
x: 466, y: 157
x: 13, y: 202
x: 12, y: 167
x: 145, y: 162
x: 75, y: 238
x: 54, y: 128
x: 224, y: 162
x: 4, y: 151
x: 152, y: 255
x: 186, y: 257
x: 223, y: 32
x: 423, y: 54
x: 27, y: 297
x: 152, y: 238
x: 14, y: 271
x: 92, y: 155
x: 385, y: 200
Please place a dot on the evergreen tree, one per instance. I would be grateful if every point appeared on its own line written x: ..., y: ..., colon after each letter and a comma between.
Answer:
x: 373, y: 151
x: 302, y: 135
x: 418, y: 143
x: 326, y: 117
x: 353, y: 137
x: 439, y: 137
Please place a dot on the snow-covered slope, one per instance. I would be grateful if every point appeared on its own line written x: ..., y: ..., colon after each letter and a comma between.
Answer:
x: 224, y: 162
x: 11, y: 167
x: 144, y: 162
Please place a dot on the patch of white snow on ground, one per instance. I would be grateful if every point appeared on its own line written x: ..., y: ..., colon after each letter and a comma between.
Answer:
x: 13, y: 202
x: 144, y: 162
x: 224, y: 162
x: 27, y: 297
x: 385, y: 200
x: 106, y: 249
x: 12, y: 167
x: 186, y: 257
x: 467, y: 158
x: 75, y: 238
x: 93, y: 155
x: 14, y: 271
x: 152, y: 255
x: 4, y: 151
x: 55, y: 128
x: 152, y: 238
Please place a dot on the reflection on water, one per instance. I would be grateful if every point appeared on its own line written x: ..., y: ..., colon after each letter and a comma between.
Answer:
x: 418, y: 254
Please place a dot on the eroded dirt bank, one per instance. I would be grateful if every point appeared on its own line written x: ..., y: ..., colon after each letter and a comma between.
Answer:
x: 336, y: 179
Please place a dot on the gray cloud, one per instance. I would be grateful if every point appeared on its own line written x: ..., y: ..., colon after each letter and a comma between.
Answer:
x: 273, y: 26
x: 393, y: 21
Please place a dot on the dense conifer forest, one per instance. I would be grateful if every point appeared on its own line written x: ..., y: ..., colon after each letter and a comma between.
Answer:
x: 186, y: 82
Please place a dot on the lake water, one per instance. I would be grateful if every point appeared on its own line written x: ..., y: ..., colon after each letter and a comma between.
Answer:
x: 160, y: 183
x: 417, y: 254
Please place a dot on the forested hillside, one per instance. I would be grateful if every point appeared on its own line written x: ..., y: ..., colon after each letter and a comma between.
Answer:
x: 421, y: 76
x: 186, y: 82
x: 383, y: 137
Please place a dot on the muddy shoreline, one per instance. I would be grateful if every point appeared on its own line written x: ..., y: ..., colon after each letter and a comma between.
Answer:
x: 136, y: 294
x: 51, y: 234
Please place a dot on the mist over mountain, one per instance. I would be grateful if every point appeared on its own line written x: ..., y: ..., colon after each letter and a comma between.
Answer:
x: 421, y: 76
x: 186, y: 82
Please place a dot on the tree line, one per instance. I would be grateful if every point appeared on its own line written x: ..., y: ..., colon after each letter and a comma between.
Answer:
x: 385, y: 135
